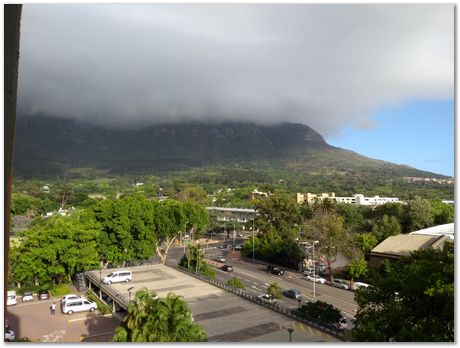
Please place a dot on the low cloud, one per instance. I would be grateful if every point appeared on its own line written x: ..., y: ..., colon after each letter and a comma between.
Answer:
x: 327, y: 66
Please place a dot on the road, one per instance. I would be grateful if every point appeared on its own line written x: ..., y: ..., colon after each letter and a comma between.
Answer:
x: 257, y: 280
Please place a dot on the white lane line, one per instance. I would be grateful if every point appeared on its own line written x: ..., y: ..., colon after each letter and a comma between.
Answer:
x: 86, y: 318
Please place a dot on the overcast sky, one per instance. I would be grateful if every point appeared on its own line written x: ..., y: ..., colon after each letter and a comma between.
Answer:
x: 327, y: 66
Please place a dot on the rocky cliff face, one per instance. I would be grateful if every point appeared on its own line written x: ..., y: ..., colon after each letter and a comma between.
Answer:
x: 48, y: 146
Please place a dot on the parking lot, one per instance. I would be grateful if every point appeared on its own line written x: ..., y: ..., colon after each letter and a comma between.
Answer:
x: 225, y: 317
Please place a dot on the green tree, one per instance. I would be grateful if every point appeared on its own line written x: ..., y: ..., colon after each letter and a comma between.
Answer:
x: 194, y: 194
x: 418, y: 214
x: 56, y: 248
x: 386, y: 227
x: 21, y: 203
x: 356, y: 268
x: 411, y: 300
x: 274, y: 290
x: 442, y: 213
x: 153, y: 319
x: 279, y: 211
x: 367, y: 242
x: 327, y: 228
x: 128, y: 229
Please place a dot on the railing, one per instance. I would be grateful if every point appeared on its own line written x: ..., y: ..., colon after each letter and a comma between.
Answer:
x: 118, y: 297
x: 273, y: 306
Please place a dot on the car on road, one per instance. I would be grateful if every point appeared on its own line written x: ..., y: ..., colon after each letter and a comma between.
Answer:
x: 221, y: 246
x: 339, y: 283
x: 71, y: 297
x: 80, y: 305
x: 316, y: 278
x: 221, y: 259
x: 293, y: 293
x: 11, y: 299
x: 357, y: 285
x: 9, y: 335
x: 27, y: 296
x: 238, y: 247
x: 308, y: 272
x: 43, y: 294
x: 342, y: 324
x: 227, y: 268
x: 275, y: 270
x: 118, y: 277
x: 266, y: 299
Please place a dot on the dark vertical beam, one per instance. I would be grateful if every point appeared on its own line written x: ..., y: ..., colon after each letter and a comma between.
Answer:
x: 12, y: 22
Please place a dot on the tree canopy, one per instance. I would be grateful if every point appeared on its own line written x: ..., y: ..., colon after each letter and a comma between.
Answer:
x: 154, y: 319
x: 411, y: 300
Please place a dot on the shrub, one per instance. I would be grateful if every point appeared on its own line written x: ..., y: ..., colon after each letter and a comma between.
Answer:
x: 320, y: 312
x: 101, y: 306
x: 236, y: 283
x: 60, y: 290
x: 275, y: 291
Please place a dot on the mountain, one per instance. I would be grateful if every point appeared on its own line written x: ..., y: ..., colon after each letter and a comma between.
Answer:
x: 47, y: 147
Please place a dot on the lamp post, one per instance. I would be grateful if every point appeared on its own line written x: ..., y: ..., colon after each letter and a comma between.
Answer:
x: 290, y: 330
x: 129, y: 293
x: 253, y: 230
x: 314, y: 270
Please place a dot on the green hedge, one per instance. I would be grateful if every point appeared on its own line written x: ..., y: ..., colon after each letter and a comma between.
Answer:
x: 101, y: 306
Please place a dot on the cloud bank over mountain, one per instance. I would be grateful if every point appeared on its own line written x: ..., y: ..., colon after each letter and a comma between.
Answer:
x: 327, y: 66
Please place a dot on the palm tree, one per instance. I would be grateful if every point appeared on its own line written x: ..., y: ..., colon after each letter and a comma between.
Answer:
x: 151, y: 319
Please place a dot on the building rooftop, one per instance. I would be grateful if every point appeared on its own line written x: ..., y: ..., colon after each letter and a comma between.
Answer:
x: 404, y: 244
x: 440, y: 230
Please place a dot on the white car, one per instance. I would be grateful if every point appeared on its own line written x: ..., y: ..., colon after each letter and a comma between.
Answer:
x: 357, y: 285
x: 80, y: 305
x: 27, y: 296
x: 71, y: 297
x: 221, y: 259
x: 9, y: 335
x: 316, y: 279
x: 117, y: 277
x: 11, y: 299
x: 339, y: 283
x: 266, y: 298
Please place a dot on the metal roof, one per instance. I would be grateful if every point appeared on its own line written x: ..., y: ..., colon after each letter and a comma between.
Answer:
x: 440, y: 230
x: 236, y: 210
x: 404, y: 244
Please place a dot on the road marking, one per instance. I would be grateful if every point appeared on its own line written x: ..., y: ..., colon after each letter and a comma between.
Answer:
x: 266, y: 284
x: 88, y: 318
x: 101, y: 334
x: 290, y: 277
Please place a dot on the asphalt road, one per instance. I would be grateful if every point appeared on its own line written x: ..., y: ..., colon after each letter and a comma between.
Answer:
x: 257, y: 280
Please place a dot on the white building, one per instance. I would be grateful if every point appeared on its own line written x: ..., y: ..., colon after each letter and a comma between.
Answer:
x: 356, y: 199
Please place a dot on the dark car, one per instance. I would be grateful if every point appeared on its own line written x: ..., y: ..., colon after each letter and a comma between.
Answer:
x: 43, y: 294
x: 292, y: 293
x: 275, y: 270
x: 227, y: 268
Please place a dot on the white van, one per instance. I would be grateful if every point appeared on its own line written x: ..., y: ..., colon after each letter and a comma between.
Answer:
x: 117, y: 277
x: 11, y: 299
x: 81, y: 305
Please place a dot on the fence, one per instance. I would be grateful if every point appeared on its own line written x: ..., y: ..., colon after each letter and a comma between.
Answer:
x: 273, y: 306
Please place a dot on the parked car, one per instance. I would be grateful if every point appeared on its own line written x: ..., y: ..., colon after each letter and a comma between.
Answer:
x: 80, y: 305
x: 339, y: 283
x: 342, y: 324
x: 357, y: 285
x: 275, y: 270
x: 9, y: 334
x: 308, y: 271
x: 27, y: 296
x: 221, y: 259
x: 266, y: 298
x: 71, y: 297
x: 11, y: 298
x: 292, y: 293
x: 118, y: 277
x: 227, y: 268
x: 238, y: 247
x: 43, y: 294
x: 316, y: 278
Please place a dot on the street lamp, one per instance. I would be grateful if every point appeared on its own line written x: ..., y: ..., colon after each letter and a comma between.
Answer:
x: 299, y: 300
x: 129, y: 293
x: 253, y: 230
x: 314, y: 270
x: 290, y: 330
